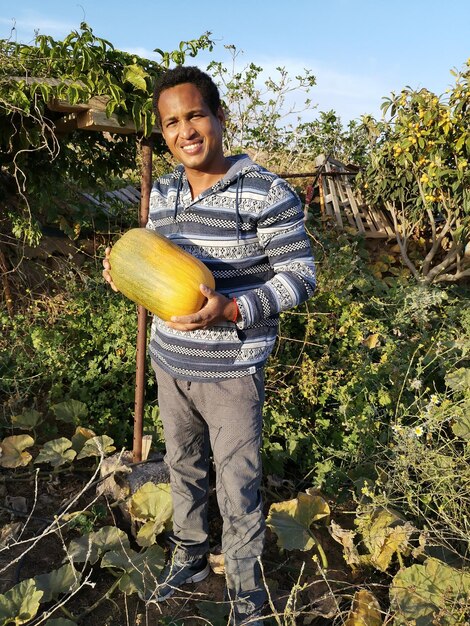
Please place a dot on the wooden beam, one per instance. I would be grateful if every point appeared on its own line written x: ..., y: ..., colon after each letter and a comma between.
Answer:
x: 97, y: 120
x: 98, y: 103
x: 66, y: 124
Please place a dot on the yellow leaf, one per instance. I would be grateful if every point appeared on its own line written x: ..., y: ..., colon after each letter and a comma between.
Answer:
x: 12, y: 451
x: 371, y: 341
x: 365, y: 610
x: 217, y: 563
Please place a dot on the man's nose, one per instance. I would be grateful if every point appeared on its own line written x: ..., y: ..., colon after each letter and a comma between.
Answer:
x: 187, y: 129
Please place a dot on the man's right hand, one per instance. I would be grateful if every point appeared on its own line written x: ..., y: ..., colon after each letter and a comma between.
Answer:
x: 107, y: 267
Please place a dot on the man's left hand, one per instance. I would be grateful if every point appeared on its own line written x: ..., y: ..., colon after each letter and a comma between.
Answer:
x: 218, y: 308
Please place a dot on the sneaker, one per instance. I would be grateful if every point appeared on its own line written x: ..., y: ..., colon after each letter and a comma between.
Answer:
x: 176, y: 574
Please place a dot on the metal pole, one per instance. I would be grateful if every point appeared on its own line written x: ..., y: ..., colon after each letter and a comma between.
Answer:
x: 146, y: 185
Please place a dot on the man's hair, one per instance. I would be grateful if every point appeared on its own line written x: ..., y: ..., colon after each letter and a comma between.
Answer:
x: 188, y: 74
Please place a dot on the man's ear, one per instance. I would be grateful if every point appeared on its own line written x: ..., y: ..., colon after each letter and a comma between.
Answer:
x: 221, y: 117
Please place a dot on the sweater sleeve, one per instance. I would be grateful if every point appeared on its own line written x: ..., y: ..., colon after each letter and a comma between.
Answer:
x: 282, y: 235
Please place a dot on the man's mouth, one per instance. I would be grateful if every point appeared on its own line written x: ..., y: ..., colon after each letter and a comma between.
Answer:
x: 191, y: 148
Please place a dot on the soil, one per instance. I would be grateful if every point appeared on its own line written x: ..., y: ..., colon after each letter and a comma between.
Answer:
x: 294, y: 580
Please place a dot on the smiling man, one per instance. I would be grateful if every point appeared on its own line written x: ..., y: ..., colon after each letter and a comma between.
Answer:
x: 246, y: 224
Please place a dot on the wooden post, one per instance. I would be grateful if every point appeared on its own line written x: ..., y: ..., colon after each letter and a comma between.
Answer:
x: 146, y: 145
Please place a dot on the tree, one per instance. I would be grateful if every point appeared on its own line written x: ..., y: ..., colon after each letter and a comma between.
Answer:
x: 418, y: 170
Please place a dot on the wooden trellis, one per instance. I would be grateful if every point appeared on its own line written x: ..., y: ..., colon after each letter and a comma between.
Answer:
x: 345, y: 205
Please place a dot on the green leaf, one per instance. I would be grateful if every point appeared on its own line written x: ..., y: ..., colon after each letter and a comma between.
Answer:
x: 90, y: 547
x: 459, y: 379
x: 291, y: 520
x: 70, y: 411
x: 27, y: 420
x: 384, y: 533
x: 60, y: 621
x: 135, y: 75
x: 80, y: 437
x: 56, y: 452
x: 420, y: 592
x: 214, y: 613
x: 153, y: 505
x: 63, y: 580
x: 97, y: 446
x: 151, y: 501
x: 140, y: 569
x: 461, y: 426
x: 20, y: 603
x: 12, y: 451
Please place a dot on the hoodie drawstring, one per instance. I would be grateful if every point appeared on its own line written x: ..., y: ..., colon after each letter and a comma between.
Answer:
x: 237, y: 208
x: 178, y: 189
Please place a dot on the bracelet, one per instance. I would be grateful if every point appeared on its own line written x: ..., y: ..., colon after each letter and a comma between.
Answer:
x: 237, y: 311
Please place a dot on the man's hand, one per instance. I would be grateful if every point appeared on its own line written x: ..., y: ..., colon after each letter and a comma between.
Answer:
x: 218, y: 308
x: 107, y: 267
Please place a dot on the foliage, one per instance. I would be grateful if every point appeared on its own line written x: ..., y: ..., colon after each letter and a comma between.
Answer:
x: 257, y: 108
x: 430, y: 593
x: 330, y: 398
x: 367, y: 390
x: 292, y: 520
x: 45, y: 163
x: 418, y: 170
x: 80, y: 356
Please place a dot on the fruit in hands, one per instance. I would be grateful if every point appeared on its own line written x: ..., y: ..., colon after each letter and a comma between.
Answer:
x: 152, y: 271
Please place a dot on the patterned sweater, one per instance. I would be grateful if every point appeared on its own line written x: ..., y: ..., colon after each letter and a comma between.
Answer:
x: 249, y: 230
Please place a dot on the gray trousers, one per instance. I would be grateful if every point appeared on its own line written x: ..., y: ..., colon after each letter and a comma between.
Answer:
x: 225, y: 417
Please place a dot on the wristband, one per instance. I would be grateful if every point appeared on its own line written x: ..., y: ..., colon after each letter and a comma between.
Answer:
x: 237, y: 311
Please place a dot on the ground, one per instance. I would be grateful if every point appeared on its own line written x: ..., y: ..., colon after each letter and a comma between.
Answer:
x: 293, y: 578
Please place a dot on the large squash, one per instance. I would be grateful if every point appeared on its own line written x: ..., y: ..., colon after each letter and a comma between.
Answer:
x: 152, y: 271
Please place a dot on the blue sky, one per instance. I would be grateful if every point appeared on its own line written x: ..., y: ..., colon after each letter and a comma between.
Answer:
x: 359, y: 50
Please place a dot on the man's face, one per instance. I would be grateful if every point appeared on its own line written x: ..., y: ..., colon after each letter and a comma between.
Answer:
x: 192, y: 132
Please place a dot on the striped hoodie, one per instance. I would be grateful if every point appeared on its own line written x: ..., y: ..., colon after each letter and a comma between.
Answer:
x: 249, y: 231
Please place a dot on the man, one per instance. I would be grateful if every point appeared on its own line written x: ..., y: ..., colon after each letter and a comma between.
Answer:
x: 246, y: 225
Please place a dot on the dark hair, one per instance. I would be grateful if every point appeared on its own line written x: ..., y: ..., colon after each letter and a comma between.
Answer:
x: 188, y: 74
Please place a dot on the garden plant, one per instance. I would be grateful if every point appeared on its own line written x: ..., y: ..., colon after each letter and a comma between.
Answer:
x: 366, y: 444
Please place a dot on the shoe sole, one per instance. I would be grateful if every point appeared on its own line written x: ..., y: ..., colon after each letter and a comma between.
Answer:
x: 196, y: 578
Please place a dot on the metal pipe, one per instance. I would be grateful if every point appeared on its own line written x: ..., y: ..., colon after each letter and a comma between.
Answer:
x: 146, y: 146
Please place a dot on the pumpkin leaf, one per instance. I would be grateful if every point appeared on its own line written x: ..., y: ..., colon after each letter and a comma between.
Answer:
x: 420, y: 592
x: 63, y: 580
x: 459, y: 379
x: 20, y: 603
x: 384, y: 533
x: 346, y: 539
x: 12, y: 451
x: 56, y: 452
x: 147, y: 533
x: 80, y: 436
x: 90, y: 547
x: 153, y: 505
x: 291, y: 520
x: 140, y: 569
x: 70, y: 411
x: 97, y: 446
x: 365, y: 610
x: 27, y: 420
x: 214, y: 613
x: 60, y: 621
x: 461, y: 424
